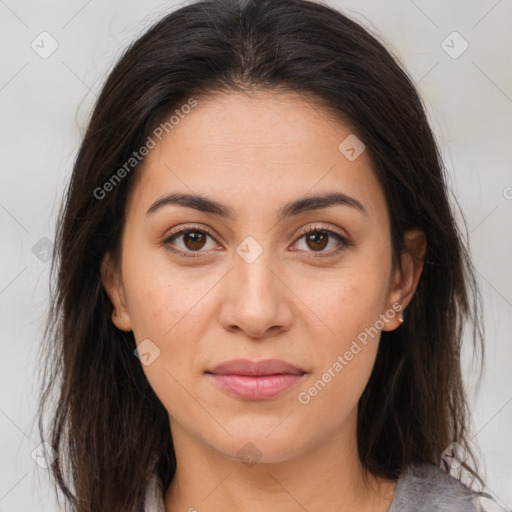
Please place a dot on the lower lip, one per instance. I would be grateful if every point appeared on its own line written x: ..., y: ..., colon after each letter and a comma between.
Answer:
x: 257, y: 387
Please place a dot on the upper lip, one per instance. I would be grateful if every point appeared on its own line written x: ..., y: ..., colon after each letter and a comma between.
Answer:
x: 247, y: 367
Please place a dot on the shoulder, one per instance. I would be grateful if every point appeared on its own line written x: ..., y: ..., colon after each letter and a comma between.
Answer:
x: 426, y: 488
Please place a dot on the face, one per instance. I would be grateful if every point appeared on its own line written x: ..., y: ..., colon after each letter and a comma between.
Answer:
x: 260, y: 275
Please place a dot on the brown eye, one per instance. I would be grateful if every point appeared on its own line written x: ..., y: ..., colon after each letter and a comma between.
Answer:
x: 190, y: 242
x: 317, y: 241
x: 194, y: 240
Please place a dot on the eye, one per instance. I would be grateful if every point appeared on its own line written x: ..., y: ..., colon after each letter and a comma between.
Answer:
x: 192, y: 240
x: 316, y: 239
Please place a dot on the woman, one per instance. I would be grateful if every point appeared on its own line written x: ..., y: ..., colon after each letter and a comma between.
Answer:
x: 261, y: 287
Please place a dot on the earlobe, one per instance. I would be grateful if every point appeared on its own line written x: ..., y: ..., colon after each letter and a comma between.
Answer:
x: 111, y: 279
x: 405, y: 280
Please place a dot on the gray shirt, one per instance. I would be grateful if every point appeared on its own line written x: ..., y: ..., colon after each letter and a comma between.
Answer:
x: 421, y: 488
x: 426, y: 488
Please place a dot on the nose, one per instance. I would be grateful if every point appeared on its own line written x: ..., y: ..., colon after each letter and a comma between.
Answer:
x: 256, y: 300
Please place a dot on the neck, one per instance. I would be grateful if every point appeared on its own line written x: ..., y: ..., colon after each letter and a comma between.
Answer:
x: 328, y: 476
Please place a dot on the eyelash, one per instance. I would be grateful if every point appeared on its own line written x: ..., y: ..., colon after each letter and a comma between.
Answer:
x: 311, y: 229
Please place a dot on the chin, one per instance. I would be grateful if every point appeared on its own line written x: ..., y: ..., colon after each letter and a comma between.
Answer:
x: 257, y: 446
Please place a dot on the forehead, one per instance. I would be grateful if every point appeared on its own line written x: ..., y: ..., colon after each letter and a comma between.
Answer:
x: 278, y: 124
x: 256, y: 150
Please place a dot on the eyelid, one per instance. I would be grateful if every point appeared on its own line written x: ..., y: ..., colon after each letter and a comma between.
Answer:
x: 181, y: 230
x: 324, y: 227
x: 344, y: 241
x: 192, y: 227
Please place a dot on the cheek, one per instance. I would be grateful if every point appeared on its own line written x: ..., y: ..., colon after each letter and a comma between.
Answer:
x: 344, y: 357
x: 349, y: 305
x: 161, y: 298
x: 347, y: 301
x: 167, y: 309
x: 164, y: 308
x: 350, y: 347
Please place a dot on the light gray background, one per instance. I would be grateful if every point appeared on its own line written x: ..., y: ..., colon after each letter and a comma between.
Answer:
x: 45, y: 104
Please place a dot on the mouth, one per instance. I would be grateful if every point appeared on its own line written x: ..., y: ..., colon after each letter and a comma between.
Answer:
x: 258, y: 380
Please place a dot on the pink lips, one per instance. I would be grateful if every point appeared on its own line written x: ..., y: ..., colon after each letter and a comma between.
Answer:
x: 256, y: 380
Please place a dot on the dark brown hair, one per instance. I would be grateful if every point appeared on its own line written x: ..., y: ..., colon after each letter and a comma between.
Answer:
x: 108, y: 426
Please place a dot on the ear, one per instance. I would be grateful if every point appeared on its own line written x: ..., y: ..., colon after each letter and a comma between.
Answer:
x: 111, y: 279
x: 405, y: 280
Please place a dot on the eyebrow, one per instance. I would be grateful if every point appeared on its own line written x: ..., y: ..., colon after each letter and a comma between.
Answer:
x: 308, y: 203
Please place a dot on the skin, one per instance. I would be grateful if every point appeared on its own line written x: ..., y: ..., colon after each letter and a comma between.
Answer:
x: 254, y: 153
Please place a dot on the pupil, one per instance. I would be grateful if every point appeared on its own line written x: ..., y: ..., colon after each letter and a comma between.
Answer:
x: 314, y: 237
x: 193, y: 240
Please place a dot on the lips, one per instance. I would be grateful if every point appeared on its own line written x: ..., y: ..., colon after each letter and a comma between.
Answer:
x: 259, y: 380
x: 246, y: 367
